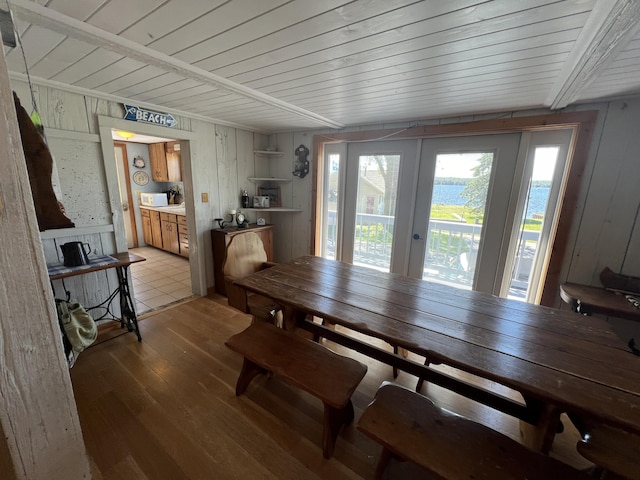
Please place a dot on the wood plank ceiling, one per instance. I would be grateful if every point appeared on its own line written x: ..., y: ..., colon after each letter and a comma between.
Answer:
x: 274, y: 65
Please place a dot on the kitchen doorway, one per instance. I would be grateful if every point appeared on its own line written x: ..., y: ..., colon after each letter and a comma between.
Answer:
x: 165, y: 277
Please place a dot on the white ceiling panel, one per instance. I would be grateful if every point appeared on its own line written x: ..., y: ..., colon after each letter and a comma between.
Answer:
x: 279, y: 65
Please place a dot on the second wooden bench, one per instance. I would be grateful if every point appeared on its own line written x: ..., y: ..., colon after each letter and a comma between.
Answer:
x: 449, y: 446
x: 307, y: 365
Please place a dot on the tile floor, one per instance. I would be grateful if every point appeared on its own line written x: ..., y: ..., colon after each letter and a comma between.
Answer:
x: 163, y: 279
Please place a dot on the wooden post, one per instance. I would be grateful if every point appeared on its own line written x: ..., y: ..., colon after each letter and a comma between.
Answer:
x: 40, y: 436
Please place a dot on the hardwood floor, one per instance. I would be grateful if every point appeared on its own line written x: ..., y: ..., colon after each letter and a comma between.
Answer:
x: 165, y: 408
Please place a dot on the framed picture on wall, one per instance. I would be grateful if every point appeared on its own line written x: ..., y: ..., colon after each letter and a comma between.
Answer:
x: 273, y: 193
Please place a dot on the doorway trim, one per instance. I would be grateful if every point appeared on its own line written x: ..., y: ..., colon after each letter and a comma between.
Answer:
x: 132, y: 217
x: 582, y: 122
x: 188, y: 143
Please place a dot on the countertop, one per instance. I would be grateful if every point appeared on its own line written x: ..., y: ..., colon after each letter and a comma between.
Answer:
x: 175, y: 209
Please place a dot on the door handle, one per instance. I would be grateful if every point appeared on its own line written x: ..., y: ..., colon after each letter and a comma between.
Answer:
x: 416, y: 236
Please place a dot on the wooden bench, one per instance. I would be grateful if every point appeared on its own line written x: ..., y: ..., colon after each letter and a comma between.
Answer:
x: 411, y: 427
x: 612, y: 449
x: 307, y: 365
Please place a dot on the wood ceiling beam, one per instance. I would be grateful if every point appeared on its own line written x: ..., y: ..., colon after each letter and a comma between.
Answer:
x: 45, y: 17
x: 609, y: 28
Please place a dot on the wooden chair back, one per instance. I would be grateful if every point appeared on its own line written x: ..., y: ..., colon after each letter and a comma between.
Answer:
x: 245, y: 255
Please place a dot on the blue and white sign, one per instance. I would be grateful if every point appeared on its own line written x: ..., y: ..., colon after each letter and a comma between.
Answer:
x: 137, y: 114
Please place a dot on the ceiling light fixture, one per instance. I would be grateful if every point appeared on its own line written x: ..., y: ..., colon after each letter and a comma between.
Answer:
x: 125, y: 135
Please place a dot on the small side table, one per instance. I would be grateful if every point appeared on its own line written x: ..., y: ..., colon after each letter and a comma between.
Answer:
x: 119, y: 261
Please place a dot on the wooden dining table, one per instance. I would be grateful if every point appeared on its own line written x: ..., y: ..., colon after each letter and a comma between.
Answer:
x: 559, y: 361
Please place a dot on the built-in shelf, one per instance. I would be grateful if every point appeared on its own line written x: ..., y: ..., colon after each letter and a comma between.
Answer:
x: 268, y: 179
x: 268, y: 153
x: 272, y: 209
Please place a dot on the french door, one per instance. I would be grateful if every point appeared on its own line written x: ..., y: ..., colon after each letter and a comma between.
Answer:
x: 462, y: 200
x: 475, y: 212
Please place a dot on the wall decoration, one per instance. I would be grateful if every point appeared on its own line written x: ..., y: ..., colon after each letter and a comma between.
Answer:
x: 137, y: 114
x: 301, y: 165
x: 141, y: 178
x: 273, y: 193
x: 138, y: 161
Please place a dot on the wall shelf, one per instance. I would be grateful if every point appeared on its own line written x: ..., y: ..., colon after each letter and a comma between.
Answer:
x: 268, y: 179
x: 272, y: 210
x: 268, y: 153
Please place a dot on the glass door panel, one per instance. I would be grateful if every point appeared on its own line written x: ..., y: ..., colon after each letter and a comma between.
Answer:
x: 376, y: 187
x: 544, y: 168
x: 458, y: 203
x: 375, y: 210
x: 461, y: 209
x: 329, y: 238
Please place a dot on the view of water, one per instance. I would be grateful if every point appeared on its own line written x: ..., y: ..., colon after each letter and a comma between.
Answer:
x: 450, y: 195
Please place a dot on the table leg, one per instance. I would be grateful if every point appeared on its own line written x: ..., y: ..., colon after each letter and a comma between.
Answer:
x: 127, y: 308
x: 291, y: 317
x: 539, y: 437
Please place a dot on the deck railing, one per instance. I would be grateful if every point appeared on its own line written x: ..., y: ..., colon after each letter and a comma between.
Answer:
x: 451, y: 251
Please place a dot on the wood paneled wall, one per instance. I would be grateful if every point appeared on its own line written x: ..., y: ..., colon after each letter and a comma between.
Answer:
x: 605, y: 230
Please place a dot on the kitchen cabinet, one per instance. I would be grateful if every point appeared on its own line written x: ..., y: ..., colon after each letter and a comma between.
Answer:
x: 156, y: 229
x: 167, y: 231
x: 151, y: 229
x: 147, y: 233
x: 174, y: 161
x: 166, y: 163
x: 170, y: 242
x: 220, y: 240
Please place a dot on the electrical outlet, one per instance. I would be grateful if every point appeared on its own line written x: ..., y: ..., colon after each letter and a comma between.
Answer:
x: 205, y: 197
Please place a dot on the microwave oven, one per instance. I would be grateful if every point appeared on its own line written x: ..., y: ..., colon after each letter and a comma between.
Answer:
x: 154, y: 199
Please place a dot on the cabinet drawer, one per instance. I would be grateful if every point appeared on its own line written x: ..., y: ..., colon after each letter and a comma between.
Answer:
x: 144, y: 212
x: 182, y: 220
x: 184, y: 249
x: 182, y: 229
x: 168, y: 217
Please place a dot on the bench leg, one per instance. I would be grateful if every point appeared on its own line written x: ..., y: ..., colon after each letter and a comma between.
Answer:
x: 421, y: 380
x: 383, y: 461
x: 334, y: 418
x: 395, y: 369
x: 249, y: 371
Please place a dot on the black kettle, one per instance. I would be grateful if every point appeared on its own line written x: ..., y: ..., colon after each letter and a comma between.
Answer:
x: 75, y: 254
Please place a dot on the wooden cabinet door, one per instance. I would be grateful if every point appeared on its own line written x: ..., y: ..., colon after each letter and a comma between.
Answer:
x: 174, y: 162
x: 156, y: 229
x: 158, y: 162
x: 147, y: 231
x: 170, y: 242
